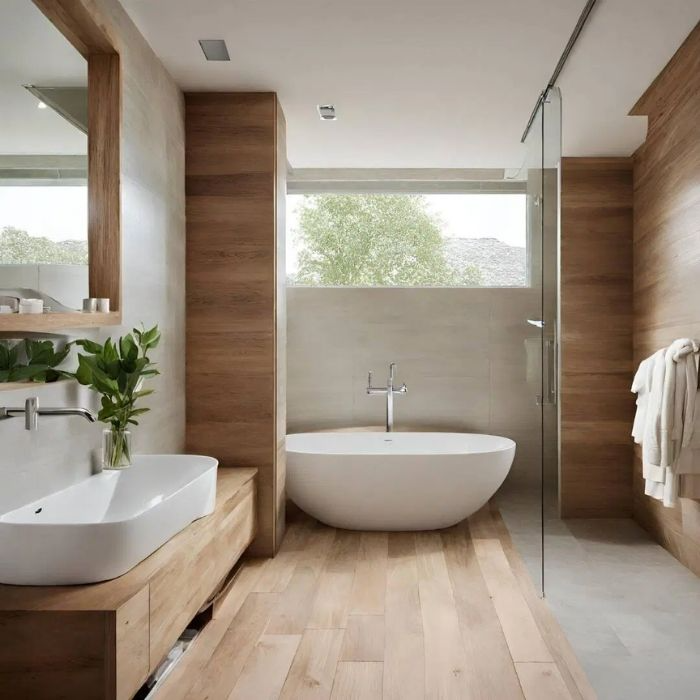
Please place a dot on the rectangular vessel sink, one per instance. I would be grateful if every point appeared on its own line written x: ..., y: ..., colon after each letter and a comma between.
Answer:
x: 103, y: 526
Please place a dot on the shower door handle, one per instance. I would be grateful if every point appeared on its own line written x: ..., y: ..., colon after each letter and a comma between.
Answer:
x: 549, y: 366
x: 550, y: 384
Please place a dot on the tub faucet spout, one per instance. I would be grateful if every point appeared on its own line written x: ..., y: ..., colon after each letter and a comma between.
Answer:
x: 390, y: 391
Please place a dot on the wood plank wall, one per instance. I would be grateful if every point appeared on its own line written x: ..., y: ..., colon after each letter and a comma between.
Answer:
x: 596, y: 337
x: 667, y: 256
x: 235, y: 185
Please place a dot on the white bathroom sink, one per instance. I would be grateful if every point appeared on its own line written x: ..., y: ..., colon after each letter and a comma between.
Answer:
x: 103, y: 526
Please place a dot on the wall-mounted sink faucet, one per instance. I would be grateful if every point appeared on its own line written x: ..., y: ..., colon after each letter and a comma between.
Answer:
x: 31, y: 412
x: 389, y: 391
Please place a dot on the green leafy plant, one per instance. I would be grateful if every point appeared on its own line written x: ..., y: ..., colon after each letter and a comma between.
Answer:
x: 116, y: 371
x: 43, y: 358
x: 42, y: 361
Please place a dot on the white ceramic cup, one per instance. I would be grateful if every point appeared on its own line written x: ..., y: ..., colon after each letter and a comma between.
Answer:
x: 31, y: 306
x: 89, y: 305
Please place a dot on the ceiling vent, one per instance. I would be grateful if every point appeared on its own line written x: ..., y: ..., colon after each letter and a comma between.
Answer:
x: 327, y: 113
x: 214, y: 49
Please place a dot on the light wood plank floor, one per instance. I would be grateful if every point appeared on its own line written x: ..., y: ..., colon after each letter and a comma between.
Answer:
x: 345, y: 615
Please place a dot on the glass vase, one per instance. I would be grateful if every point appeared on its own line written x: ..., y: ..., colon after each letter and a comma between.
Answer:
x: 116, y: 449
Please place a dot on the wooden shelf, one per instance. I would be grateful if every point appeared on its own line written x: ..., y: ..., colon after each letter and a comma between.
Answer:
x: 31, y: 386
x: 56, y: 321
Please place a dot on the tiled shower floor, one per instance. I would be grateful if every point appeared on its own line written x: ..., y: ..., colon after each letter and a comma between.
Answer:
x: 630, y: 610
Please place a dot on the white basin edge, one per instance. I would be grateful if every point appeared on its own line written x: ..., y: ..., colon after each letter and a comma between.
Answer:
x: 107, y: 540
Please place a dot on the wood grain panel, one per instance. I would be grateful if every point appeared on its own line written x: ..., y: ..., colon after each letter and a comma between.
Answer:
x: 596, y: 337
x: 235, y: 188
x: 667, y: 256
x: 57, y: 655
x: 104, y: 181
x: 49, y: 322
x: 79, y: 24
x: 204, y: 557
x: 131, y: 639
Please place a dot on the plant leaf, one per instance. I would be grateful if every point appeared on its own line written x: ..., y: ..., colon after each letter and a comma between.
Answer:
x: 139, y: 411
x: 26, y: 372
x: 4, y: 357
x: 89, y: 346
x: 84, y: 372
x: 116, y: 370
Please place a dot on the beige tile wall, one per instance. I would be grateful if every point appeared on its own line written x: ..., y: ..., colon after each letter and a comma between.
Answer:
x: 462, y: 353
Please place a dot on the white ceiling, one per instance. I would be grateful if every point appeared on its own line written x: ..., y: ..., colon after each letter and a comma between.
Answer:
x: 416, y: 83
x: 623, y: 48
x: 33, y: 51
x: 441, y: 84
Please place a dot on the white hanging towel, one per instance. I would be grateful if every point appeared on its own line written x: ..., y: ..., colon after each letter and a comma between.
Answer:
x: 641, y: 385
x: 666, y: 387
x: 648, y: 384
x: 688, y: 462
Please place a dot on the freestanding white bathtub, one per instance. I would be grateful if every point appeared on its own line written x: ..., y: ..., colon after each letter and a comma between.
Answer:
x: 395, y: 481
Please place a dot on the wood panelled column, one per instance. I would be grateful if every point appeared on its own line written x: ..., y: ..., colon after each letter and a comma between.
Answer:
x: 235, y: 187
x: 596, y: 337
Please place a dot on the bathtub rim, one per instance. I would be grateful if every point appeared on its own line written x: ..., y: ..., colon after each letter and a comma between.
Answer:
x: 507, y: 444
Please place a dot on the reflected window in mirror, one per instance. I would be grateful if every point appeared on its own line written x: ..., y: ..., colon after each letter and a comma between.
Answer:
x: 43, y: 160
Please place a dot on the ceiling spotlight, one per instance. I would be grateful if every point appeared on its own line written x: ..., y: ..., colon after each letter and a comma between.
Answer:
x: 214, y: 49
x: 41, y: 105
x: 327, y: 113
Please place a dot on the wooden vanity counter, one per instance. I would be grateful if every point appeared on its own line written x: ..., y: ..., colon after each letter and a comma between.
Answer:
x: 101, y: 641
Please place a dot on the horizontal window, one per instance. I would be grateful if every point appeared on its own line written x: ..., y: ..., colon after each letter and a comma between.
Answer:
x: 407, y: 240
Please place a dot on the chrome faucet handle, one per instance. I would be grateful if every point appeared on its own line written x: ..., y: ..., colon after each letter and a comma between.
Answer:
x: 31, y: 413
x: 370, y: 388
x: 392, y: 373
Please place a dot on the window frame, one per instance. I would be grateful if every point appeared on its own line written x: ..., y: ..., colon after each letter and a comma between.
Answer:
x: 421, y: 181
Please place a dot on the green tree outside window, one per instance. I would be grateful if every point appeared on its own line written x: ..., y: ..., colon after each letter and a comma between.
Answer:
x: 374, y: 240
x: 19, y: 248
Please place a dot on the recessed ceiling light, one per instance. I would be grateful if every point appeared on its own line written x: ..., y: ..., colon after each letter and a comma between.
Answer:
x: 41, y: 105
x: 327, y: 113
x: 214, y: 49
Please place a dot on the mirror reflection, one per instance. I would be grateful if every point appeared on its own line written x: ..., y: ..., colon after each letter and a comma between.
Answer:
x: 43, y: 163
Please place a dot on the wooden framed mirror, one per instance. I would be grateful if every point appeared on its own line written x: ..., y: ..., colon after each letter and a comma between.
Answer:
x: 100, y: 121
